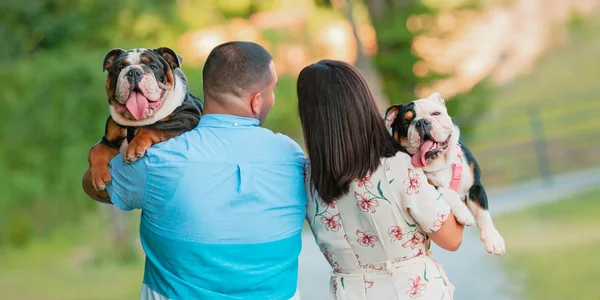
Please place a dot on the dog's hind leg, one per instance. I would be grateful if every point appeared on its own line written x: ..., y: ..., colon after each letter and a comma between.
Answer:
x: 478, y: 204
x: 101, y: 154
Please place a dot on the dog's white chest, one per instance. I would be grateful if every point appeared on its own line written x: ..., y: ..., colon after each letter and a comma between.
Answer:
x: 443, y: 177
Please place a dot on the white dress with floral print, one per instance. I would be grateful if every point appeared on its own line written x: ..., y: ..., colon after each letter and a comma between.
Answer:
x: 374, y: 236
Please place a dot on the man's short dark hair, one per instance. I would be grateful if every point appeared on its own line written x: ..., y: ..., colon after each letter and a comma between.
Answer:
x: 235, y: 67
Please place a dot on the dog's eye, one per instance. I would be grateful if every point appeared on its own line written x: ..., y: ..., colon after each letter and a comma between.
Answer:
x: 119, y: 69
x: 437, y: 113
x: 153, y: 67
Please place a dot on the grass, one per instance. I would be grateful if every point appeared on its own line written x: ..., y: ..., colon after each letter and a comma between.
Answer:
x: 73, y: 263
x: 553, y: 248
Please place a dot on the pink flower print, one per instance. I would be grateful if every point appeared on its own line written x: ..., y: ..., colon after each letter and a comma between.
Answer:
x: 335, y: 286
x: 388, y: 166
x: 442, y: 217
x: 368, y: 284
x: 419, y: 253
x: 395, y: 233
x: 332, y: 204
x: 346, y: 238
x: 400, y: 259
x: 414, y: 241
x: 415, y: 287
x: 332, y: 222
x: 368, y: 267
x: 364, y: 203
x: 365, y: 181
x: 329, y: 258
x: 413, y: 183
x: 366, y: 239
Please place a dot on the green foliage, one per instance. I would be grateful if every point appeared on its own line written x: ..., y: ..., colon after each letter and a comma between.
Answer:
x: 284, y: 115
x: 53, y: 111
x: 394, y: 59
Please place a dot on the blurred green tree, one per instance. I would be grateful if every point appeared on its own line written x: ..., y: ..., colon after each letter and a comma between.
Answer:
x: 54, y: 103
x: 395, y: 60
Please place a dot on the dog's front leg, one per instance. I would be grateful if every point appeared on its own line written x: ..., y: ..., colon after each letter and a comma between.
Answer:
x: 459, y: 209
x: 144, y: 139
x: 101, y: 154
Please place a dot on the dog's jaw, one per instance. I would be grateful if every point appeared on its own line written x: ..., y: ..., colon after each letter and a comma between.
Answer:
x: 445, y: 159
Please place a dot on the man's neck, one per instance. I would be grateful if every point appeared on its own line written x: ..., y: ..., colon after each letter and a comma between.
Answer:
x: 233, y: 107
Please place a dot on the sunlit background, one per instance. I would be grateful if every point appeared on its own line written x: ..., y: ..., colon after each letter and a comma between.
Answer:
x: 520, y: 76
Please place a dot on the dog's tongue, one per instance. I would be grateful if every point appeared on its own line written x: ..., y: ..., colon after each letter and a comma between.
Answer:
x: 137, y: 105
x: 418, y: 159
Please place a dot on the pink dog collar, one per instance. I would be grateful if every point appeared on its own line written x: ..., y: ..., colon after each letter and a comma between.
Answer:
x: 457, y: 170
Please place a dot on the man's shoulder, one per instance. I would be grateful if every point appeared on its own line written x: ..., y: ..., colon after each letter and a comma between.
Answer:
x: 174, y: 149
x: 282, y: 143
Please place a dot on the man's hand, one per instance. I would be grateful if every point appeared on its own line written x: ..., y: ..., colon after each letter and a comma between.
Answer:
x: 88, y: 188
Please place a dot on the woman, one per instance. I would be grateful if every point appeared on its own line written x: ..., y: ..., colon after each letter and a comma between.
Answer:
x: 370, y: 210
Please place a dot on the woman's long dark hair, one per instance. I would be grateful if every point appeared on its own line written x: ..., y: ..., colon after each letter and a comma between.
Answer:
x: 344, y: 134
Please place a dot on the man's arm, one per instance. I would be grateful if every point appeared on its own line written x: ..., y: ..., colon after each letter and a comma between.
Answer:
x: 127, y: 187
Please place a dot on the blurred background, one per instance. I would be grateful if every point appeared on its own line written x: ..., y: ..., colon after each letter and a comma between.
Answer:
x: 520, y: 77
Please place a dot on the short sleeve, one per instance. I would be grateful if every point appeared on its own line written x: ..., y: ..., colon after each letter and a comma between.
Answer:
x: 426, y: 205
x: 290, y: 147
x: 128, y: 184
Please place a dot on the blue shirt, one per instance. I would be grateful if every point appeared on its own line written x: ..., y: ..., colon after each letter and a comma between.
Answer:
x: 222, y: 210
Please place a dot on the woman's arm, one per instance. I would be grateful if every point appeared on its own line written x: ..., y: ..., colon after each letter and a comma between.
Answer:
x: 449, y: 236
x: 427, y: 206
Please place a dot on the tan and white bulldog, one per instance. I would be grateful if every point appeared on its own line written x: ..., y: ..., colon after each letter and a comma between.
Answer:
x: 149, y: 102
x: 424, y: 128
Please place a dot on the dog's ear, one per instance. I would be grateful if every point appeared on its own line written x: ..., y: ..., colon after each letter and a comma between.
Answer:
x: 437, y: 97
x: 110, y: 58
x: 390, y: 116
x: 172, y: 58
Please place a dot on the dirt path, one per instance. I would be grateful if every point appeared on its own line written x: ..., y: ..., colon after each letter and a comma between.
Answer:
x: 475, y: 274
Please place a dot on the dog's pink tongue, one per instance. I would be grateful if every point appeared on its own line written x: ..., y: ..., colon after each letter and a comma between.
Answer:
x: 418, y: 159
x: 137, y: 105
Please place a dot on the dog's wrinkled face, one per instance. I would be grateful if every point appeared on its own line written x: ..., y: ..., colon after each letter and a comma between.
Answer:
x: 138, y: 80
x: 423, y: 127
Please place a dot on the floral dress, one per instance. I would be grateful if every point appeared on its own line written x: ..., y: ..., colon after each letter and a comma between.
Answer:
x: 374, y: 237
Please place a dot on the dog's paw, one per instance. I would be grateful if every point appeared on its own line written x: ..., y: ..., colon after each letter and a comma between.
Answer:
x: 136, y: 149
x: 463, y: 215
x: 493, y: 242
x: 100, y: 176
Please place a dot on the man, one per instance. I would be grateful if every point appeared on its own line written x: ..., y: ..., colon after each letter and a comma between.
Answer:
x: 222, y: 205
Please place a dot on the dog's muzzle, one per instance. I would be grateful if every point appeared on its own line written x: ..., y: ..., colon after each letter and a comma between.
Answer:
x: 134, y: 75
x: 423, y: 127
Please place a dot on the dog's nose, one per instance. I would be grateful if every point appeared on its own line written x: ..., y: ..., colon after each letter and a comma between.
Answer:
x: 423, y: 123
x: 135, y: 74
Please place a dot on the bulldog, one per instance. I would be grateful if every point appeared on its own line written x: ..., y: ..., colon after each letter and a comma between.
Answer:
x: 426, y: 131
x: 149, y: 102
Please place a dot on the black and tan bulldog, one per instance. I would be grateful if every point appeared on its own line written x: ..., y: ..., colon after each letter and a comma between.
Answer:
x: 424, y: 128
x: 149, y: 102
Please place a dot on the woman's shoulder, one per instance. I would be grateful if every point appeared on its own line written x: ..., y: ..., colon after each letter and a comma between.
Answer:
x: 401, y: 159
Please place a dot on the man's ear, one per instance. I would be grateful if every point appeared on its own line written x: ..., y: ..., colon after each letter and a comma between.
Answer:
x: 172, y: 58
x: 256, y: 103
x: 390, y: 116
x: 437, y: 97
x: 110, y: 58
